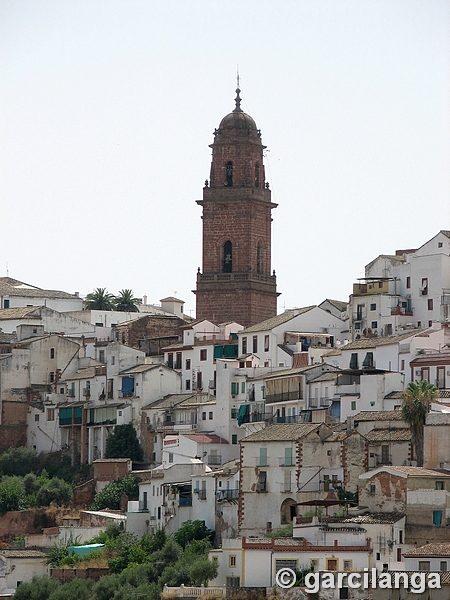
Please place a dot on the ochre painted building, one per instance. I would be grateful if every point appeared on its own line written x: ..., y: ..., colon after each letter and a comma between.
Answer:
x: 236, y: 282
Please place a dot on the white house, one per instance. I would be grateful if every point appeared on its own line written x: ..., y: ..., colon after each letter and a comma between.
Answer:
x: 14, y: 293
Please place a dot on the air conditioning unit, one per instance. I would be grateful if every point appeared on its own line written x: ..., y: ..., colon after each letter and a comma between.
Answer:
x: 194, y: 426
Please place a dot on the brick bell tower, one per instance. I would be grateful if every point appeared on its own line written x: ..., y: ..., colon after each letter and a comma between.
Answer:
x: 236, y: 282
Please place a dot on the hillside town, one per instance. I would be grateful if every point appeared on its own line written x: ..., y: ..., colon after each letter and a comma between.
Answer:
x: 315, y: 439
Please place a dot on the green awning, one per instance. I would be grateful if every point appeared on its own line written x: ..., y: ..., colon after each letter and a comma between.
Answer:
x: 243, y: 410
x: 84, y: 550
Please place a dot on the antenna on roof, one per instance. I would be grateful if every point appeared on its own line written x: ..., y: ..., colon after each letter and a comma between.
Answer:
x: 237, y: 75
x: 7, y: 270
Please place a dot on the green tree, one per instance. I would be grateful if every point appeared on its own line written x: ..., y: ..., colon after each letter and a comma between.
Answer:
x: 18, y: 461
x: 99, y: 299
x: 192, y: 530
x: 126, y: 302
x: 112, y: 493
x: 12, y: 494
x: 123, y: 443
x: 417, y: 399
x: 39, y: 588
x: 202, y: 570
x: 77, y: 589
x: 54, y: 490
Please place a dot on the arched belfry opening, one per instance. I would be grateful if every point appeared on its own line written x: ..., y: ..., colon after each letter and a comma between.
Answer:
x: 229, y: 174
x: 257, y: 175
x: 227, y: 261
x: 259, y: 257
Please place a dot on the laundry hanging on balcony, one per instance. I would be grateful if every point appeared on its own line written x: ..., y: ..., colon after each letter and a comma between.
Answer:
x: 243, y: 410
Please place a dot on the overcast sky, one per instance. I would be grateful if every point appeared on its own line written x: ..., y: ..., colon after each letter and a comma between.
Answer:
x: 108, y: 108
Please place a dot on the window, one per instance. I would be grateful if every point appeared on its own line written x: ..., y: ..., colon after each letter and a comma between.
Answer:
x: 178, y: 360
x: 439, y: 244
x: 385, y: 454
x: 430, y: 323
x: 287, y: 481
x: 227, y: 261
x: 374, y: 324
x: 368, y: 360
x: 101, y: 356
x: 287, y: 461
x: 52, y: 353
x: 232, y: 560
x: 6, y: 305
x: 408, y: 282
x: 234, y: 439
x: 188, y: 364
x: 257, y: 179
x: 170, y: 457
x: 439, y: 485
x: 113, y: 360
x: 262, y: 457
x: 399, y: 555
x: 332, y: 564
x: 373, y: 306
x: 259, y: 258
x: 443, y: 565
x: 430, y: 303
x: 199, y: 380
x: 357, y: 325
x: 243, y: 387
x: 343, y: 593
x: 36, y: 417
x: 170, y: 360
x: 203, y: 416
x: 424, y: 565
x: 244, y: 345
x: 215, y: 559
x: 234, y: 388
x: 424, y: 287
x: 233, y: 582
x: 255, y: 343
x: 203, y: 354
x: 50, y: 414
x: 266, y: 343
x: 283, y: 563
x: 52, y: 376
x: 419, y: 324
x: 261, y: 486
x: 188, y: 384
x: 348, y: 565
x: 210, y: 416
x: 353, y: 405
x: 229, y: 174
x: 400, y: 537
x: 402, y: 365
x: 437, y: 518
x: 354, y: 361
x: 234, y: 413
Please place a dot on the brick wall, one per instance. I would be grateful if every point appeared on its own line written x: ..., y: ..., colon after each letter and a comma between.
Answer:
x: 151, y: 327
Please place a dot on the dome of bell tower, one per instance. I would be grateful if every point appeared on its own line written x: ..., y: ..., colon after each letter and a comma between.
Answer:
x: 238, y: 124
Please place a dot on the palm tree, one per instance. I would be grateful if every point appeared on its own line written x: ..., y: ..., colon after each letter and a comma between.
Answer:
x: 125, y: 301
x: 417, y: 399
x: 99, y: 299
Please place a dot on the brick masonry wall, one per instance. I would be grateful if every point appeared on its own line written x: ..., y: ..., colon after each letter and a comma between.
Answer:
x: 150, y: 327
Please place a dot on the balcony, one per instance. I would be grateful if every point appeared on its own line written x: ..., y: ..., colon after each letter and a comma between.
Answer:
x: 201, y: 494
x: 143, y: 506
x: 229, y: 494
x: 284, y: 397
x: 214, y: 459
x: 400, y: 310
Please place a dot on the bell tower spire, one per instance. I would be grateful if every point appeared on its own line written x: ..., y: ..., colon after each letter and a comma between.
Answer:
x: 236, y: 282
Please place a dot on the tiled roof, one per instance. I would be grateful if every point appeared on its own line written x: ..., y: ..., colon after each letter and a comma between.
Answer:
x: 286, y: 372
x: 438, y: 418
x: 171, y: 299
x: 369, y: 519
x: 87, y: 373
x: 421, y: 471
x: 175, y: 399
x: 13, y: 287
x: 379, y: 415
x: 7, y: 338
x: 380, y: 341
x: 140, y: 369
x: 338, y: 436
x: 203, y: 438
x: 21, y: 553
x: 176, y: 346
x: 278, y: 320
x: 440, y: 549
x: 445, y: 232
x: 20, y: 312
x: 396, y: 395
x: 389, y: 435
x: 339, y: 304
x: 334, y: 352
x: 281, y: 432
x: 325, y: 377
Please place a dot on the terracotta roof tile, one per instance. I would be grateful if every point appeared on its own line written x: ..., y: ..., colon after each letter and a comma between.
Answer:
x: 278, y: 320
x: 280, y: 432
x: 389, y: 435
x: 379, y: 415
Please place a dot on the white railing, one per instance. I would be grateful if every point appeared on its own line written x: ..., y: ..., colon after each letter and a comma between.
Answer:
x: 191, y: 592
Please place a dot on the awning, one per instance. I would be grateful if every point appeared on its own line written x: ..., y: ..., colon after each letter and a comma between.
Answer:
x: 243, y: 410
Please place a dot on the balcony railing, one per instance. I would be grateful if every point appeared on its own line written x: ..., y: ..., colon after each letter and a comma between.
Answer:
x: 286, y: 461
x: 214, y: 459
x: 229, y: 494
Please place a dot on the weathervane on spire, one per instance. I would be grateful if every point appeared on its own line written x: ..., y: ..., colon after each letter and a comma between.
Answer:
x: 238, y: 98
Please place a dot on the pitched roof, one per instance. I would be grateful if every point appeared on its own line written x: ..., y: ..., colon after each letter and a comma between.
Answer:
x: 389, y: 435
x: 438, y: 419
x: 20, y: 312
x: 339, y: 304
x: 379, y: 415
x: 203, y: 438
x: 278, y: 320
x: 173, y: 400
x: 140, y: 369
x: 439, y: 549
x: 13, y: 287
x: 380, y: 341
x: 282, y: 432
x: 369, y: 519
x: 329, y: 376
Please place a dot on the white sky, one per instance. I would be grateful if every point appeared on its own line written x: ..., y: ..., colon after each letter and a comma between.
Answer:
x: 108, y: 108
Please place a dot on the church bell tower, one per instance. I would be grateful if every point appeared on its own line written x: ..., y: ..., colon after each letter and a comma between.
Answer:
x: 236, y: 282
